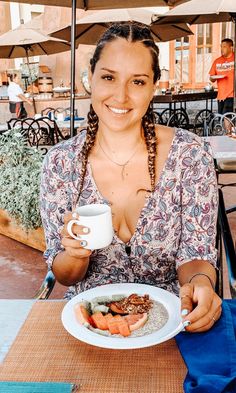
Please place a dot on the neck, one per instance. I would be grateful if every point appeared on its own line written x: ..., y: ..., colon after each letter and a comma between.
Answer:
x: 229, y: 55
x: 120, y: 142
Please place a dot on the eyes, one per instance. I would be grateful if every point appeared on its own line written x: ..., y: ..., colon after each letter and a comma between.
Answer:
x: 110, y: 78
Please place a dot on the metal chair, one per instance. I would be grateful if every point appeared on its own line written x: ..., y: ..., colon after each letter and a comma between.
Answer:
x: 46, y: 287
x: 225, y: 237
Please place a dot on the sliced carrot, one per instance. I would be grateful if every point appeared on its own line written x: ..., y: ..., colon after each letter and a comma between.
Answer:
x: 108, y: 316
x: 99, y: 320
x: 124, y: 328
x: 112, y: 325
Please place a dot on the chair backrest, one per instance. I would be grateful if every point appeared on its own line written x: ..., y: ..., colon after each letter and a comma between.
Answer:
x: 41, y: 133
x: 48, y: 111
x: 21, y: 124
x: 225, y: 237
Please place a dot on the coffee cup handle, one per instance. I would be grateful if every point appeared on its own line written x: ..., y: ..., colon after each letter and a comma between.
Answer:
x: 69, y: 229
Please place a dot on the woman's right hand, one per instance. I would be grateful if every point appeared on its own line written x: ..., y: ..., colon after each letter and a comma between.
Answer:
x: 74, y: 248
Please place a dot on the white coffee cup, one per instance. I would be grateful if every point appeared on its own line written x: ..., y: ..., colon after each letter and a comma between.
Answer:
x: 97, y: 217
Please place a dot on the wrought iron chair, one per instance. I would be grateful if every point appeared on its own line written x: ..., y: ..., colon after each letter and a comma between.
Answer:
x: 21, y: 124
x: 225, y: 236
x: 40, y: 134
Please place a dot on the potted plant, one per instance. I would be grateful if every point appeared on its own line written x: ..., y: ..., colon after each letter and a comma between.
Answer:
x: 20, y: 168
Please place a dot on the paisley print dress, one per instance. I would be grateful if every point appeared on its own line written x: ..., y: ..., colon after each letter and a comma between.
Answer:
x: 176, y: 225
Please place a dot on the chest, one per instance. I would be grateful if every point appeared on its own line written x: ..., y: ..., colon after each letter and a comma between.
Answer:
x: 126, y: 189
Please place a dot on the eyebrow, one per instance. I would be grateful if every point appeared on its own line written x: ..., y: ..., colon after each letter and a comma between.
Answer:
x: 114, y: 72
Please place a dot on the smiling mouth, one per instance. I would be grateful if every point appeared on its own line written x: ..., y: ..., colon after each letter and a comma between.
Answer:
x: 118, y: 111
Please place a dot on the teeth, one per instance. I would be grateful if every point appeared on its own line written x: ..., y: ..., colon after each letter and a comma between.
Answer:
x: 119, y: 111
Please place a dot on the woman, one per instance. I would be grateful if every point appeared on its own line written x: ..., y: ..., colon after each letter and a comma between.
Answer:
x: 16, y: 97
x: 159, y: 182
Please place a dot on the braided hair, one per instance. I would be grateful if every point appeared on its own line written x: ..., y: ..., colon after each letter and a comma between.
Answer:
x: 133, y: 32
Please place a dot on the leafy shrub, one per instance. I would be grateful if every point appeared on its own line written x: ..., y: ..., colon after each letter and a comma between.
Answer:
x: 20, y: 168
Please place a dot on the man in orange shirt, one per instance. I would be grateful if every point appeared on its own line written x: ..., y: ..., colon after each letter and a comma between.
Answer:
x: 222, y: 72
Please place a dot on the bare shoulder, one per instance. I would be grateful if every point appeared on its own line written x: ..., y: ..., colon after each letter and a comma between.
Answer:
x: 164, y: 135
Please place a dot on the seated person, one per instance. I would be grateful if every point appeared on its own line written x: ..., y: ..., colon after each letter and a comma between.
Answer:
x: 160, y: 183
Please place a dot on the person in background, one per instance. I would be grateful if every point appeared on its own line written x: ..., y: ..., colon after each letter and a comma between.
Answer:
x: 159, y: 181
x: 222, y: 72
x: 16, y: 97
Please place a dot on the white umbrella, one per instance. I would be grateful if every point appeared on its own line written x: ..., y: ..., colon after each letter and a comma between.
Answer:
x: 93, y: 24
x: 26, y: 42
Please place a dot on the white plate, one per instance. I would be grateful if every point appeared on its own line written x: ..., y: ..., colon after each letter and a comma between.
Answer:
x: 217, y: 76
x: 170, y: 329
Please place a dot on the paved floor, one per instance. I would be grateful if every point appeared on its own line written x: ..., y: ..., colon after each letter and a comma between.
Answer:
x: 22, y: 268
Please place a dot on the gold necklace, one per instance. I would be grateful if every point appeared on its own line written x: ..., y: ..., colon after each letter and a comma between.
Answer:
x: 117, y: 163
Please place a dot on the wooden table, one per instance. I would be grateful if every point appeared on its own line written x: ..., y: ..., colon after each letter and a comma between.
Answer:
x: 173, y: 99
x: 44, y: 351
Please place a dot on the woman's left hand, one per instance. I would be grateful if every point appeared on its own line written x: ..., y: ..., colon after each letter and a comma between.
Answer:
x: 203, y: 306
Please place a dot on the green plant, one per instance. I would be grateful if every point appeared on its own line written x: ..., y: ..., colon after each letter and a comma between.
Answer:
x: 20, y: 168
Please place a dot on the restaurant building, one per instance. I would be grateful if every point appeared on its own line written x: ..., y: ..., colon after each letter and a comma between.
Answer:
x: 187, y: 59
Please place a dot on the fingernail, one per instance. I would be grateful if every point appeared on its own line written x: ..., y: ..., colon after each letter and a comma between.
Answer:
x: 74, y: 215
x: 186, y: 323
x: 85, y: 230
x: 184, y: 312
x: 83, y: 243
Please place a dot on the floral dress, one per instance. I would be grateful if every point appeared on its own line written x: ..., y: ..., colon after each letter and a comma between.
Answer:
x: 177, y: 223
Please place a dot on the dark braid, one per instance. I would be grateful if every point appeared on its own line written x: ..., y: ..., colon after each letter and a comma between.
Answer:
x: 151, y: 143
x: 133, y: 32
x: 88, y: 144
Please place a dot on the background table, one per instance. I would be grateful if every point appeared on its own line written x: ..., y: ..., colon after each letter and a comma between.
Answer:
x: 44, y: 351
x: 223, y: 147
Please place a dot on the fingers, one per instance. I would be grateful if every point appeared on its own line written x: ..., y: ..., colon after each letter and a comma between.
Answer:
x: 77, y: 229
x: 186, y: 296
x: 207, y: 310
x: 75, y: 248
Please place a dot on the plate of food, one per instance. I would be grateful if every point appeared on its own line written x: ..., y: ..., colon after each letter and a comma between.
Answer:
x: 123, y: 316
x: 218, y: 76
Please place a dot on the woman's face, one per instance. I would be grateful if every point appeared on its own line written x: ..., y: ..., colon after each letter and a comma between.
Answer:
x: 122, y: 84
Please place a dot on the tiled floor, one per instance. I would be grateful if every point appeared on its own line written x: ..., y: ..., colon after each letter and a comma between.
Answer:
x: 22, y: 268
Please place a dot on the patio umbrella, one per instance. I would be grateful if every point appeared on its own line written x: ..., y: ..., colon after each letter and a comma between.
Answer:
x: 93, y: 24
x: 27, y: 42
x: 92, y: 5
x: 202, y: 11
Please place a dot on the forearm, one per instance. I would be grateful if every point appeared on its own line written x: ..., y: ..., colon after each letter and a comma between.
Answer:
x: 69, y: 270
x: 23, y: 98
x: 189, y: 269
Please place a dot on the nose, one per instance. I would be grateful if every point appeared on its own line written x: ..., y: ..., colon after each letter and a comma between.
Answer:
x: 121, y: 93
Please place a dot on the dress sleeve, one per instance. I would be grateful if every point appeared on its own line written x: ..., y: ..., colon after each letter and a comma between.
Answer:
x: 199, y: 205
x: 54, y: 203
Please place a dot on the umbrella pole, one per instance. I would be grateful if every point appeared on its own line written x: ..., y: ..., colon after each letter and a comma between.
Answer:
x: 72, y: 88
x: 31, y: 81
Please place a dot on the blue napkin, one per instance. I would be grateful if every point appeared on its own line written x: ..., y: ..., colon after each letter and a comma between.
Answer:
x: 211, y: 356
x: 37, y: 387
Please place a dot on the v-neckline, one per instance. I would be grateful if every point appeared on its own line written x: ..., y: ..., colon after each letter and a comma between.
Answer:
x: 148, y: 196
